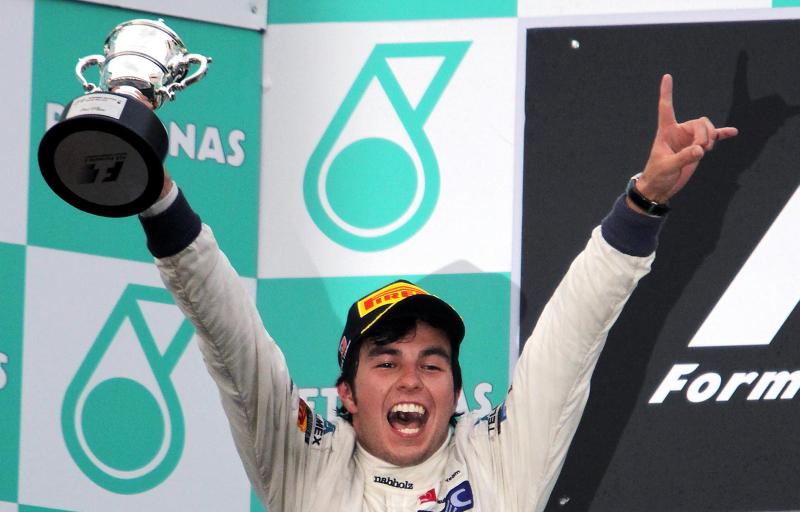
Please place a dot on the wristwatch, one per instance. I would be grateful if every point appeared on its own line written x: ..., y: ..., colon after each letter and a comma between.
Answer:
x: 649, y: 207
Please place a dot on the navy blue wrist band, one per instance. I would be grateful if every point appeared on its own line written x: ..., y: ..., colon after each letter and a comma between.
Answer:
x: 172, y: 230
x: 631, y: 232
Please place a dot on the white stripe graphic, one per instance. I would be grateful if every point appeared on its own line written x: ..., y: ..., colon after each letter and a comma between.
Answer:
x: 764, y: 292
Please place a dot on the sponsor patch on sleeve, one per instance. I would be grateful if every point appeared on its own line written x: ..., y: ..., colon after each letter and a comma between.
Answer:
x: 312, y: 425
x: 494, y: 419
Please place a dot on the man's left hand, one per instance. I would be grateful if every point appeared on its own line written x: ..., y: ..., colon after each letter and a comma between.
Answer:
x: 677, y: 149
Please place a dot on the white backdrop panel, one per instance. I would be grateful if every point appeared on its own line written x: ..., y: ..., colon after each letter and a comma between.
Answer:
x: 586, y: 7
x: 310, y: 70
x: 16, y: 47
x: 69, y: 298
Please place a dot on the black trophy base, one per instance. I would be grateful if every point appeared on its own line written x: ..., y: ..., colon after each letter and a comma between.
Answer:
x: 105, y: 156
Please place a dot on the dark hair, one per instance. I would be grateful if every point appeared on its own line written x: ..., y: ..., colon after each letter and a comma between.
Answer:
x: 389, y: 331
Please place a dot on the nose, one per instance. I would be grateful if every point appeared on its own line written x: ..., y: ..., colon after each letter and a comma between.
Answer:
x: 409, y: 378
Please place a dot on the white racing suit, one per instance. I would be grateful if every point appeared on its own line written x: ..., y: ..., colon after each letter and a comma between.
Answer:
x: 505, y: 461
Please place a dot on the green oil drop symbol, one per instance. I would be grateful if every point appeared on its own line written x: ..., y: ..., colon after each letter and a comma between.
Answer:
x: 119, y: 434
x: 372, y: 194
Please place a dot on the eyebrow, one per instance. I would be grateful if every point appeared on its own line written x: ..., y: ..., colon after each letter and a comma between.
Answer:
x: 383, y: 350
x: 435, y: 351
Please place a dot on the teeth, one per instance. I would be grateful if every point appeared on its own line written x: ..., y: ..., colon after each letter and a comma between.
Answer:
x: 409, y: 430
x: 408, y: 407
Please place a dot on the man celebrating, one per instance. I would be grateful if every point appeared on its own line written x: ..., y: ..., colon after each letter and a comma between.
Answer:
x: 393, y: 449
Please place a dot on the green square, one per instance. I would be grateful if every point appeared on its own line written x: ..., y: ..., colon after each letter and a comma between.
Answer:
x: 12, y: 296
x: 221, y: 109
x: 785, y: 3
x: 292, y: 11
x: 306, y: 317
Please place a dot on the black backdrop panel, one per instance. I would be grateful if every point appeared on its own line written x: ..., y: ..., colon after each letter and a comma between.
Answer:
x: 590, y: 119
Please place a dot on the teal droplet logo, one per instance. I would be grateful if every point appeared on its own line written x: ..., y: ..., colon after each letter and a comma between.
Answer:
x: 125, y: 436
x: 373, y: 194
x: 387, y: 181
x: 117, y: 409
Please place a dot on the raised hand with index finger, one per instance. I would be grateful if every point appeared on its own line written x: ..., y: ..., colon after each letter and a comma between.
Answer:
x: 677, y: 149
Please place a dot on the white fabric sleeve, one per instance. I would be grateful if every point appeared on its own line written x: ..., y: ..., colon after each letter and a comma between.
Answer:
x: 246, y: 364
x: 531, y: 434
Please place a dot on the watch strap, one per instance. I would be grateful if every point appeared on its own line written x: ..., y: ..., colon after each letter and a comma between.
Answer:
x: 650, y: 207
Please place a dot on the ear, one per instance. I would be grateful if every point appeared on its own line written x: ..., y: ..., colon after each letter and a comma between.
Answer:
x: 347, y: 397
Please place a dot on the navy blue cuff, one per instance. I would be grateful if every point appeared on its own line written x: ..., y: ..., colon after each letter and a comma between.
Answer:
x: 631, y: 232
x: 172, y: 230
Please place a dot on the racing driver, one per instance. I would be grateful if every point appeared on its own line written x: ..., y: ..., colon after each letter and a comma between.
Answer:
x: 393, y: 448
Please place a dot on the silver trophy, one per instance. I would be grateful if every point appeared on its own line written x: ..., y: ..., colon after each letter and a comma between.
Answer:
x: 105, y: 155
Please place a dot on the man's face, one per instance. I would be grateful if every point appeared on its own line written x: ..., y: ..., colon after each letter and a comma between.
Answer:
x: 404, y: 396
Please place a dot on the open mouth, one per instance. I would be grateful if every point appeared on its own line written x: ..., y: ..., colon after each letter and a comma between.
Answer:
x: 407, y: 418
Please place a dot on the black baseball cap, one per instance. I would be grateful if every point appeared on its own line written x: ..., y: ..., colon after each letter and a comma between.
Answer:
x: 395, y: 299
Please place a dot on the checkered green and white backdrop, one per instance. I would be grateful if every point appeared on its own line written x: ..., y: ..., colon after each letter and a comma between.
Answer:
x: 286, y: 148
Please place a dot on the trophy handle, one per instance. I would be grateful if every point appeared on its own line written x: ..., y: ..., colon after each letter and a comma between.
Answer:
x: 85, y: 62
x: 192, y: 58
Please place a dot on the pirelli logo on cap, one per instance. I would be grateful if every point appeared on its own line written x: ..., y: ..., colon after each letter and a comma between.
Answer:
x: 391, y: 294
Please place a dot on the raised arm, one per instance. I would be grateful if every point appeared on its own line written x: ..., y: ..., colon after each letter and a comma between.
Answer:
x: 550, y: 385
x: 247, y: 366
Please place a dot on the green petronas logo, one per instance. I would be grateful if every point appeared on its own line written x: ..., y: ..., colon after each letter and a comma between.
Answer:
x: 125, y: 436
x: 372, y: 192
